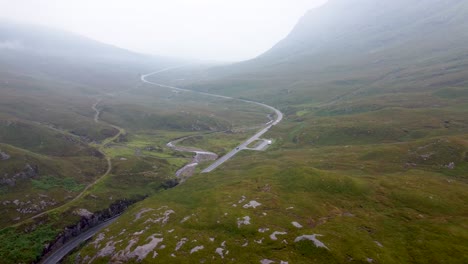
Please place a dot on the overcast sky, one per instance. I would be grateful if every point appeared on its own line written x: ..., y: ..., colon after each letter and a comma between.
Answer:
x: 200, y: 29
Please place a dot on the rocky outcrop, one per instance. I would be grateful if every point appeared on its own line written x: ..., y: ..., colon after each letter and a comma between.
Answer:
x: 83, y: 213
x: 4, y: 155
x: 29, y: 172
x: 87, y: 221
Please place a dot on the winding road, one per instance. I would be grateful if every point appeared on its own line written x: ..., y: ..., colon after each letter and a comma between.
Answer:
x: 70, y: 245
x: 232, y: 153
x: 200, y: 156
x: 58, y: 255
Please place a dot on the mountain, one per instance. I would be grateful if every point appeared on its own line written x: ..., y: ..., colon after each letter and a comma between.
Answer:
x: 51, y: 83
x: 41, y: 40
x: 355, y: 46
x: 369, y: 164
x: 82, y: 137
x: 60, y: 55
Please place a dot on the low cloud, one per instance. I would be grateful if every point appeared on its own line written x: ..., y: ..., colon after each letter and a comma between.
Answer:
x: 11, y: 45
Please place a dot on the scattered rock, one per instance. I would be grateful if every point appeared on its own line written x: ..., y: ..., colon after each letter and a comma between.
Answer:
x: 252, y: 204
x: 29, y: 172
x: 266, y: 188
x: 138, y: 233
x: 378, y: 243
x: 141, y: 212
x: 163, y: 219
x: 219, y: 251
x: 451, y: 165
x: 150, y: 148
x: 243, y: 221
x: 181, y: 243
x: 312, y: 238
x: 4, y: 155
x: 276, y: 233
x: 195, y: 249
x: 296, y: 224
x: 141, y: 252
x: 108, y: 250
x: 83, y: 213
x: 185, y: 219
x: 98, y: 239
x: 242, y: 199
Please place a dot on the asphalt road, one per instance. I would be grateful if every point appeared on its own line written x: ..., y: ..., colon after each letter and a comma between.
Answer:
x: 75, y: 242
x: 218, y: 162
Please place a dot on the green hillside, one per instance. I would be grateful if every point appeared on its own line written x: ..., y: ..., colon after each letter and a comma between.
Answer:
x: 80, y: 133
x: 370, y: 164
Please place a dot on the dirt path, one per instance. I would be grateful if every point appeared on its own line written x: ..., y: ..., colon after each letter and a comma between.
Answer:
x: 98, y: 111
x: 101, y: 148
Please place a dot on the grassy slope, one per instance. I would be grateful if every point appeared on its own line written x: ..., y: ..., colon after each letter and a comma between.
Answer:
x: 363, y: 156
x: 65, y: 136
x: 408, y: 212
x: 372, y: 153
x: 373, y: 168
x: 355, y: 178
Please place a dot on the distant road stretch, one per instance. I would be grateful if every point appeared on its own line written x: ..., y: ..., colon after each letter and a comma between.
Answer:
x: 218, y: 162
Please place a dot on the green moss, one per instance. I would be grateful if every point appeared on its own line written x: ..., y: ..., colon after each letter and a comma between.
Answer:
x: 24, y: 247
x: 49, y: 182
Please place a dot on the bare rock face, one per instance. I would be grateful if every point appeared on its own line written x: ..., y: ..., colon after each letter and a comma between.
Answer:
x: 4, y: 156
x: 29, y: 172
x: 83, y: 213
x: 451, y: 165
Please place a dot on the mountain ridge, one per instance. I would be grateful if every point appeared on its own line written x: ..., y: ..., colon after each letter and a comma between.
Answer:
x: 360, y: 42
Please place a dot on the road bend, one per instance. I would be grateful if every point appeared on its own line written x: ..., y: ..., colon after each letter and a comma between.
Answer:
x: 242, y: 146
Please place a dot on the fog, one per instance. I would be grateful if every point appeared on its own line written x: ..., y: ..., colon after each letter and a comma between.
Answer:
x: 198, y: 29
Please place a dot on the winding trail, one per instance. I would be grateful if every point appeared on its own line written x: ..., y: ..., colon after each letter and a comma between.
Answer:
x: 59, y: 254
x: 242, y: 146
x: 200, y: 155
x: 98, y: 111
x: 100, y: 149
